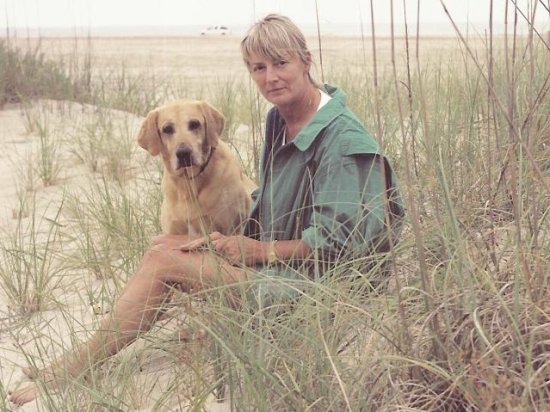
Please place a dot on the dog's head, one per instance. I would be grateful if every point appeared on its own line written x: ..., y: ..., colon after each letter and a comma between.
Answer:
x: 184, y: 132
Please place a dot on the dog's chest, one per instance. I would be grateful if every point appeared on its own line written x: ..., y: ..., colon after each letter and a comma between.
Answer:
x: 185, y: 221
x: 181, y: 211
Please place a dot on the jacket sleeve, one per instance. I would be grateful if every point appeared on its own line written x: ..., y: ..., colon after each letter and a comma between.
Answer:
x: 348, y: 212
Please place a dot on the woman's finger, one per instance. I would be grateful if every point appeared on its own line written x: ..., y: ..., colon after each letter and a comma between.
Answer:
x: 215, y: 236
x: 213, y: 239
x: 194, y: 244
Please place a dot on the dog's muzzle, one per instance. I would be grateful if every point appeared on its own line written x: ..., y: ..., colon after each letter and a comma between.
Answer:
x: 184, y: 154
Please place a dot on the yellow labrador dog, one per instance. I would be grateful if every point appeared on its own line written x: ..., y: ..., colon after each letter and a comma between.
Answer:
x: 204, y: 188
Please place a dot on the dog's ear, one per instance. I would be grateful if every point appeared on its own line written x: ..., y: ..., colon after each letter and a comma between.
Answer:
x: 214, y: 123
x: 149, y: 137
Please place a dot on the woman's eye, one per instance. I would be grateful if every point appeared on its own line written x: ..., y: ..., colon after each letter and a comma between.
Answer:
x: 281, y: 63
x: 257, y: 69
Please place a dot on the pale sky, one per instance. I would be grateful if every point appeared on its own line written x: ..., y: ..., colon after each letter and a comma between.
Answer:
x: 126, y: 13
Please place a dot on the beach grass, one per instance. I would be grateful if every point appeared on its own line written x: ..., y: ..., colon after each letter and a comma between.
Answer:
x: 462, y: 323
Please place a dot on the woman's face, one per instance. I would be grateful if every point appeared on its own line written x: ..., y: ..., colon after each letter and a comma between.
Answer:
x: 281, y: 82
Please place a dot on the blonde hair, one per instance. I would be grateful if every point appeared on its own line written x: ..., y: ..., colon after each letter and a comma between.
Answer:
x: 277, y: 38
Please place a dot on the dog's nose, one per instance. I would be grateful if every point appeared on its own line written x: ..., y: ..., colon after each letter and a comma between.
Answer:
x: 184, y: 156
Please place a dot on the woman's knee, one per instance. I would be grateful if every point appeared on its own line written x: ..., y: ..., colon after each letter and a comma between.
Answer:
x: 169, y: 264
x: 155, y: 262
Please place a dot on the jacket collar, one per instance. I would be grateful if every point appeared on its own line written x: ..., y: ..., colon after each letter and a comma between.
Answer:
x: 334, y: 108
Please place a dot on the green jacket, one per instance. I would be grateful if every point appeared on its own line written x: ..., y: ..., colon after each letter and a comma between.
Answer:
x: 325, y: 187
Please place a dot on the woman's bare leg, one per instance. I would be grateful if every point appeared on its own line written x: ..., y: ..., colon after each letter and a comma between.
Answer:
x: 136, y: 309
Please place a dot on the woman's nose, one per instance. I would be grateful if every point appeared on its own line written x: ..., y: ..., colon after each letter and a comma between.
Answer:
x: 271, y: 73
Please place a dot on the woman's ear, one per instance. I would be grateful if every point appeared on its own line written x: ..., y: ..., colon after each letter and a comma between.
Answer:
x: 308, y: 61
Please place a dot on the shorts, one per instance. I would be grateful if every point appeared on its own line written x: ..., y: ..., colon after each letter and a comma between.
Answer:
x: 275, y: 287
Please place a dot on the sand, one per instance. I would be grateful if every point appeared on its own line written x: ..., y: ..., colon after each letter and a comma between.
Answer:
x: 205, y: 59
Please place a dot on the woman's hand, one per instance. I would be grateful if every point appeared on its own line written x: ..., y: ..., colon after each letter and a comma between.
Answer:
x: 169, y: 241
x: 236, y: 249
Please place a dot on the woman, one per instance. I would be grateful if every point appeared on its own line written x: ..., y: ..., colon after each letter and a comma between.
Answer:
x: 326, y: 196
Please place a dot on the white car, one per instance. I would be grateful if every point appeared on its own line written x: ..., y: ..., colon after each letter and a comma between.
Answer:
x: 216, y: 30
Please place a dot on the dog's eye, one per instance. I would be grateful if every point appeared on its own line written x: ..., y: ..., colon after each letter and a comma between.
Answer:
x: 193, y: 124
x: 168, y: 129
